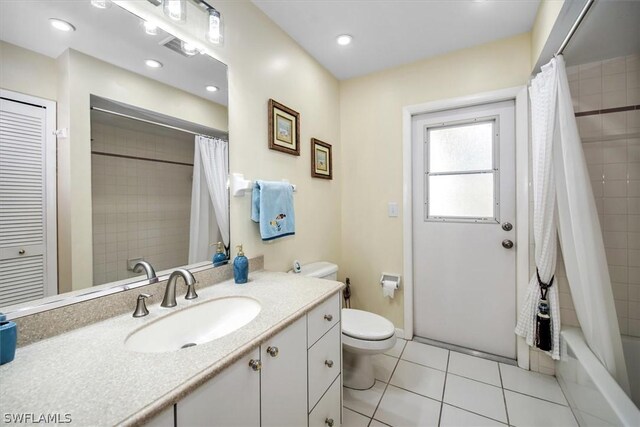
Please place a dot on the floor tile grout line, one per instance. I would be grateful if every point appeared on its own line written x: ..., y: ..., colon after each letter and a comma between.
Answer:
x: 387, y: 383
x: 504, y: 396
x: 474, y: 413
x: 535, y: 397
x: 473, y: 379
x: 444, y: 387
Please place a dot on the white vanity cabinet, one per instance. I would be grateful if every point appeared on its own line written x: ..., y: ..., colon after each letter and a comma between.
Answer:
x: 232, y: 398
x: 292, y: 379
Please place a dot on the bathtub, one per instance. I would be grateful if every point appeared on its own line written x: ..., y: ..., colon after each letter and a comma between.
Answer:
x: 594, y: 396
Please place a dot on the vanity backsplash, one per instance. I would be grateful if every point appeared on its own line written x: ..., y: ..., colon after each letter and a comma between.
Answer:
x: 46, y: 324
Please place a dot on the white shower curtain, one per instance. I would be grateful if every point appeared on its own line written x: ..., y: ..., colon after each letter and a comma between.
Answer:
x: 209, y: 190
x: 543, y: 112
x: 578, y: 225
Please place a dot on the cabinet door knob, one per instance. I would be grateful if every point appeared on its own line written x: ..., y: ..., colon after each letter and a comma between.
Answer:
x: 256, y: 365
x: 328, y: 317
x: 273, y: 351
x: 329, y: 363
x: 22, y: 252
x: 329, y: 422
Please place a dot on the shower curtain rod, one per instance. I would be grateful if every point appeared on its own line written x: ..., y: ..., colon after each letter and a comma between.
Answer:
x: 575, y: 26
x: 149, y: 121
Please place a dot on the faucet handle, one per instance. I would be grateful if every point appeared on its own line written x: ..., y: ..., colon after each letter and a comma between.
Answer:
x: 141, y: 306
x: 191, y: 291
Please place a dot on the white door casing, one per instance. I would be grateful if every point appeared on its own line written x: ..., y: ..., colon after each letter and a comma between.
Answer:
x: 464, y: 279
x: 28, y: 247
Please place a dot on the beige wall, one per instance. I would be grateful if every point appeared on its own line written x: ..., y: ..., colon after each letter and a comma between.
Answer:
x: 546, y: 17
x: 371, y: 131
x: 27, y: 72
x: 265, y: 63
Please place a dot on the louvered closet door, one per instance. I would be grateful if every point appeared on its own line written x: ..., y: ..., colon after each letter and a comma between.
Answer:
x: 22, y: 202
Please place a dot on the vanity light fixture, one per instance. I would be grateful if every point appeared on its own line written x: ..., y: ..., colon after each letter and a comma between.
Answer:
x: 101, y: 4
x: 212, y: 88
x: 152, y: 63
x: 344, y: 39
x: 214, y: 26
x: 61, y: 25
x: 175, y: 9
x: 150, y: 28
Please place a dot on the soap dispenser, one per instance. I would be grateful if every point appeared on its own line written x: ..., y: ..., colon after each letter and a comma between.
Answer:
x: 220, y: 257
x: 240, y: 267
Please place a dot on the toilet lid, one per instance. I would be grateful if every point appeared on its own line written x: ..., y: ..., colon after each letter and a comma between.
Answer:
x: 366, y: 326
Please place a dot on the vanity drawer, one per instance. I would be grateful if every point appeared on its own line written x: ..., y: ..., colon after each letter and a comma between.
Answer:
x: 324, y: 364
x: 327, y: 411
x: 322, y: 318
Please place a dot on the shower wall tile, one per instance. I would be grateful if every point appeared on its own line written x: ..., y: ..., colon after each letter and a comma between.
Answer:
x: 141, y: 209
x: 613, y: 161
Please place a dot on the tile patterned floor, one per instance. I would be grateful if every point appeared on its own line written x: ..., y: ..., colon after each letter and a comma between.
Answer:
x: 421, y: 385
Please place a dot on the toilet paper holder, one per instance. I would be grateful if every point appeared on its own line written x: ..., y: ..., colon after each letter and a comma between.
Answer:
x: 389, y: 277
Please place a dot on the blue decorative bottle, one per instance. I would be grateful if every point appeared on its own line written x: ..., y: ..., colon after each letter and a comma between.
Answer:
x: 8, y: 339
x: 220, y: 257
x: 240, y: 267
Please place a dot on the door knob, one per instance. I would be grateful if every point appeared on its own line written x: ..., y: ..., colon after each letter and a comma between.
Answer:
x: 273, y: 351
x: 329, y: 363
x: 328, y: 317
x: 329, y: 422
x: 507, y: 226
x: 256, y: 365
x: 507, y: 244
x: 21, y: 252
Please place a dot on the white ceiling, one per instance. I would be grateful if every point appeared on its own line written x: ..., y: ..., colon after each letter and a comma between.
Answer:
x: 610, y: 29
x: 112, y: 35
x: 388, y: 33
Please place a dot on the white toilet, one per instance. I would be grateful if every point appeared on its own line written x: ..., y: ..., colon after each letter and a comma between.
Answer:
x: 363, y: 334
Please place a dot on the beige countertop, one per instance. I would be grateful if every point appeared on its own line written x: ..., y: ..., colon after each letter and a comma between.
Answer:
x: 90, y: 375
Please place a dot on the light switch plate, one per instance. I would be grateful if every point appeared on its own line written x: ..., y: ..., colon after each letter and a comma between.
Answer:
x: 392, y: 209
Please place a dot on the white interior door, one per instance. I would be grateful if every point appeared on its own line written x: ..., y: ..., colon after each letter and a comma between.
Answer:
x: 463, y: 224
x: 27, y: 203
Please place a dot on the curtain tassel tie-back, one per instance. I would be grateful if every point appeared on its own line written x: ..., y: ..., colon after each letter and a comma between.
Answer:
x: 544, y: 328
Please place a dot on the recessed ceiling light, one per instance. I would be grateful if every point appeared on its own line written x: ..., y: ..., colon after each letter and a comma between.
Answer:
x: 150, y: 28
x: 344, y: 39
x: 152, y: 63
x: 189, y: 49
x: 61, y: 25
x: 101, y: 4
x: 212, y: 88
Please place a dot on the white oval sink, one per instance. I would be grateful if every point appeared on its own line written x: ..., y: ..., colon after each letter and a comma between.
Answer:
x: 195, y: 325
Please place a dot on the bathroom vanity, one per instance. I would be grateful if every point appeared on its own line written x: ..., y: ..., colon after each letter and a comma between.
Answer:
x: 281, y: 368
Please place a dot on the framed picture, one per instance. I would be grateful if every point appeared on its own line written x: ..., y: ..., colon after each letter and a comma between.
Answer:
x: 321, y: 160
x: 284, y: 129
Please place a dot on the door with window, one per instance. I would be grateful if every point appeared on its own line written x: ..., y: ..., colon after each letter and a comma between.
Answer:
x: 463, y: 227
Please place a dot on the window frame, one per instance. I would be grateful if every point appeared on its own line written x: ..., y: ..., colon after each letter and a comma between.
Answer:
x: 495, y: 170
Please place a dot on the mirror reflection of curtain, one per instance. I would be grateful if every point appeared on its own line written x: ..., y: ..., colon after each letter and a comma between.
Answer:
x: 209, y: 198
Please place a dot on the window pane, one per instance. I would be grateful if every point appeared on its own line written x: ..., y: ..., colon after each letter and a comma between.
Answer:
x: 461, y: 195
x: 461, y: 148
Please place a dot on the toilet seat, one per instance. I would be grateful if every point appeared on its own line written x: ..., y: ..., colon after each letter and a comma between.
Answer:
x: 366, y: 326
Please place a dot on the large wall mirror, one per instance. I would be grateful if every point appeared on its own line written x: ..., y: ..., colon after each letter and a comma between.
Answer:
x: 113, y: 150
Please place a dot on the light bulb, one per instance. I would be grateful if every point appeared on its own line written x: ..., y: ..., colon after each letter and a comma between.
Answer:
x: 101, y: 4
x: 214, y: 28
x: 175, y: 9
x: 150, y: 28
x: 61, y: 25
x: 212, y: 88
x: 189, y: 49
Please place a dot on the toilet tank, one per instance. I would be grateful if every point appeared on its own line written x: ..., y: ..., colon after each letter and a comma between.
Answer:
x: 321, y: 270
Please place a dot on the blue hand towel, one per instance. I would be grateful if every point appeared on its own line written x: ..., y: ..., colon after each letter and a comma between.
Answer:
x: 272, y: 207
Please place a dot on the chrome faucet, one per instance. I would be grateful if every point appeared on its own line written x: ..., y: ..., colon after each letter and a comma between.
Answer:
x: 146, y: 267
x: 169, y: 299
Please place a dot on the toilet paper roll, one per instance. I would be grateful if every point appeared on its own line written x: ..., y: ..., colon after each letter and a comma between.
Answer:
x: 388, y: 288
